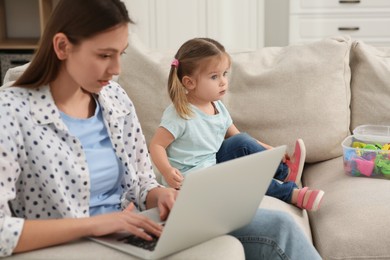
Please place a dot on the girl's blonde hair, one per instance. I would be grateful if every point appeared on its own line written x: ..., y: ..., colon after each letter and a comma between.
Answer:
x: 189, y: 60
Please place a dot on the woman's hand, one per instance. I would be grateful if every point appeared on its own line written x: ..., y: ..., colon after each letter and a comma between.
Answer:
x: 126, y: 220
x: 163, y: 198
x: 165, y: 201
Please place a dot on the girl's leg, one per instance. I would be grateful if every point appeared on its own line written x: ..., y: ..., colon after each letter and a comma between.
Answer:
x: 275, y: 235
x: 243, y: 144
x: 237, y: 146
x: 281, y: 190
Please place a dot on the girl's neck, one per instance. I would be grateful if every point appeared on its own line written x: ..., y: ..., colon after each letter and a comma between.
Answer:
x: 207, y: 108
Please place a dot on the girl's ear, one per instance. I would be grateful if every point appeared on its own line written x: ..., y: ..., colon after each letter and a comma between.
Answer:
x: 61, y: 46
x: 188, y: 82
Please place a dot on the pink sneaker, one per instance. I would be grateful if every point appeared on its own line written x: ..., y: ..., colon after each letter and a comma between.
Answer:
x: 296, y: 163
x: 313, y: 202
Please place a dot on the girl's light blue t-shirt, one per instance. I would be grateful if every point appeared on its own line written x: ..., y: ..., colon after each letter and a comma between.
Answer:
x: 198, y: 139
x: 104, y: 167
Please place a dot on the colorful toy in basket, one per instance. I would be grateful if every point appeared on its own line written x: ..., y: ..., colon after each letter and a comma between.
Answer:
x: 367, y: 159
x: 367, y: 151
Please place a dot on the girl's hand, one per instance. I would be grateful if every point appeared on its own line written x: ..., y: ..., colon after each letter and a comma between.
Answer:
x: 286, y: 157
x: 174, y: 178
x: 128, y: 221
x: 266, y: 146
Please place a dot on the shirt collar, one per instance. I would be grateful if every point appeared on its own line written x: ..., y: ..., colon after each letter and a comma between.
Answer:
x: 44, y: 111
x: 112, y: 103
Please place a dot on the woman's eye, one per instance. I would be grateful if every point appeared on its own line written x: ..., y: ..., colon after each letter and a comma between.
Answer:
x: 105, y: 56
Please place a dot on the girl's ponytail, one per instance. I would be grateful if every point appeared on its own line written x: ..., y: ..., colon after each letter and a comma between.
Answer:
x: 178, y: 93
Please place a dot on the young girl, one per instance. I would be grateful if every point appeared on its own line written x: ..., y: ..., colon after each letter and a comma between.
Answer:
x: 196, y: 131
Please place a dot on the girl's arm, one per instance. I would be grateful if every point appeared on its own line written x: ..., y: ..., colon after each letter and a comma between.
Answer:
x: 157, y: 148
x: 232, y: 130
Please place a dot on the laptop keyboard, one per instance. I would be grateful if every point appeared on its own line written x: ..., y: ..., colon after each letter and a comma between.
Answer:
x: 139, y: 242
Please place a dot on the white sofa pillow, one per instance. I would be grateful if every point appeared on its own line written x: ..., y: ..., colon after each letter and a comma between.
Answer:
x: 278, y: 94
x: 144, y: 77
x: 370, y: 85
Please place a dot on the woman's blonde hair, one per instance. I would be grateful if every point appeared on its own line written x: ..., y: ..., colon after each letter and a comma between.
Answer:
x: 188, y: 61
x: 78, y: 20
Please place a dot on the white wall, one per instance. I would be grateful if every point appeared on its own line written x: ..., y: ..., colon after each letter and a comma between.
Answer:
x: 276, y: 23
x: 166, y: 24
x: 238, y: 24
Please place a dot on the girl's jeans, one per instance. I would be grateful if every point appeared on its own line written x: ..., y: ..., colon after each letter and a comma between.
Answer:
x: 271, y: 234
x: 242, y: 144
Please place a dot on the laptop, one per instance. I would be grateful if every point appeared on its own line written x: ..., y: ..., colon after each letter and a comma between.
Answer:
x: 212, y: 202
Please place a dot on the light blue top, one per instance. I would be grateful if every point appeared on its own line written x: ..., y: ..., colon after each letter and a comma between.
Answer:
x: 198, y: 139
x: 104, y: 167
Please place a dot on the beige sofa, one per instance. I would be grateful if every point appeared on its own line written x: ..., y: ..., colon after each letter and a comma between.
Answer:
x: 318, y: 92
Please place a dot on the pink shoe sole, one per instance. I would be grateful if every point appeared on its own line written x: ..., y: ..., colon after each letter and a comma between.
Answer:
x: 314, y: 201
x: 297, y: 163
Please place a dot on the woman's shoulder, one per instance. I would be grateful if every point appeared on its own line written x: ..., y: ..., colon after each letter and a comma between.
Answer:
x: 115, y: 98
x: 114, y: 91
x: 11, y: 95
x: 114, y: 87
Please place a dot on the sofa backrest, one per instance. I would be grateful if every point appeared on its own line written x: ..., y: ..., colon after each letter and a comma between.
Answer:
x: 370, y: 85
x: 278, y: 94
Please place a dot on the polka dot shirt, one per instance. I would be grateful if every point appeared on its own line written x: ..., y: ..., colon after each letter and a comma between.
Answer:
x: 43, y: 169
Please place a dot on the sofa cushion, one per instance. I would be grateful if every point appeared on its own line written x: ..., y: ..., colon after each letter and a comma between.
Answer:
x: 144, y: 77
x: 370, y: 85
x: 279, y: 94
x: 352, y: 221
x: 300, y: 216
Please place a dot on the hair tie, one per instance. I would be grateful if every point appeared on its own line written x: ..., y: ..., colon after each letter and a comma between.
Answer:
x: 175, y: 63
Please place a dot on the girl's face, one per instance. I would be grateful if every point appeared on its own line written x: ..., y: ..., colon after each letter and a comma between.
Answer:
x: 92, y: 63
x: 210, y: 83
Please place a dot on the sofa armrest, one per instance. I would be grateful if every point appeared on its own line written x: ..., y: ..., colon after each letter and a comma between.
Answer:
x: 223, y: 247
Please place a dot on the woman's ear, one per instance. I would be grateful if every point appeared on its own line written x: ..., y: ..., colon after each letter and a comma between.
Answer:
x: 188, y: 82
x: 61, y: 46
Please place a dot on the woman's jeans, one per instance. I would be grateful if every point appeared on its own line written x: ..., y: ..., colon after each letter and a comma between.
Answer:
x: 274, y: 235
x: 271, y: 234
x: 242, y: 144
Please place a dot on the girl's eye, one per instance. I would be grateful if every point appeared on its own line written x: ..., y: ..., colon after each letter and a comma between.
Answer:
x: 105, y: 56
x: 225, y: 73
x: 214, y: 77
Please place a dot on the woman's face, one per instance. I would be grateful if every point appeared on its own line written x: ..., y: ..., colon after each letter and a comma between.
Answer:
x: 92, y: 63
